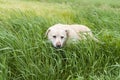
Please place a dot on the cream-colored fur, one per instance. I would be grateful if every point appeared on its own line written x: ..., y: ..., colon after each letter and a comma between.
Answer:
x: 58, y: 34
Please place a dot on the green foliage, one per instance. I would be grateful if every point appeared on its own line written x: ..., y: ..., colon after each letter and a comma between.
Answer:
x: 25, y: 53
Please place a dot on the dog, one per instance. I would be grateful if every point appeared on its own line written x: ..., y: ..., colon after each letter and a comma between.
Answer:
x: 58, y: 34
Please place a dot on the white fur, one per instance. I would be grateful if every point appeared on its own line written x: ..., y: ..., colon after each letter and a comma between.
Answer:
x: 58, y: 34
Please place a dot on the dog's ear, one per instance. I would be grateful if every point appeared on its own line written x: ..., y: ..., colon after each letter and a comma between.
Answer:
x: 47, y: 32
x: 67, y: 32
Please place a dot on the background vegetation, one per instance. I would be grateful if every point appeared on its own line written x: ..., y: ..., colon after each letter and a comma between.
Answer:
x: 25, y: 53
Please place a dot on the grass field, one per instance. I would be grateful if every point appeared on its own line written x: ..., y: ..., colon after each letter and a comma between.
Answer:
x: 25, y: 53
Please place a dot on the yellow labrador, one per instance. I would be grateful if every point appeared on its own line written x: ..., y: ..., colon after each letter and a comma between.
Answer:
x: 58, y: 34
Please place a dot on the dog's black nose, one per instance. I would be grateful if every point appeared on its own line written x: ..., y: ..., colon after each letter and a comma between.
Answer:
x: 58, y: 46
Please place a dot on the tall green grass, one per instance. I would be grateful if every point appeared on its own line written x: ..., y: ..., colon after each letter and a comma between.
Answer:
x: 26, y: 54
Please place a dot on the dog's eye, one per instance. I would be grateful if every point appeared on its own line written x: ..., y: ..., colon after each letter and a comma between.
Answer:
x: 62, y: 37
x: 54, y: 36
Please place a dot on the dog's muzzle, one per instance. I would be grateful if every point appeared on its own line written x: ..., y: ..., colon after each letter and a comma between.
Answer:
x: 58, y: 45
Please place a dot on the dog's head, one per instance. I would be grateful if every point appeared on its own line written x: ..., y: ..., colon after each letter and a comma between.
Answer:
x: 57, y: 36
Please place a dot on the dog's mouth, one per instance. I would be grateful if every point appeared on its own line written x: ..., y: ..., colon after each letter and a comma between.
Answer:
x: 58, y: 46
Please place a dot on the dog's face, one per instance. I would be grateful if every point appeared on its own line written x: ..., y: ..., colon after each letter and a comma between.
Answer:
x: 57, y: 36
